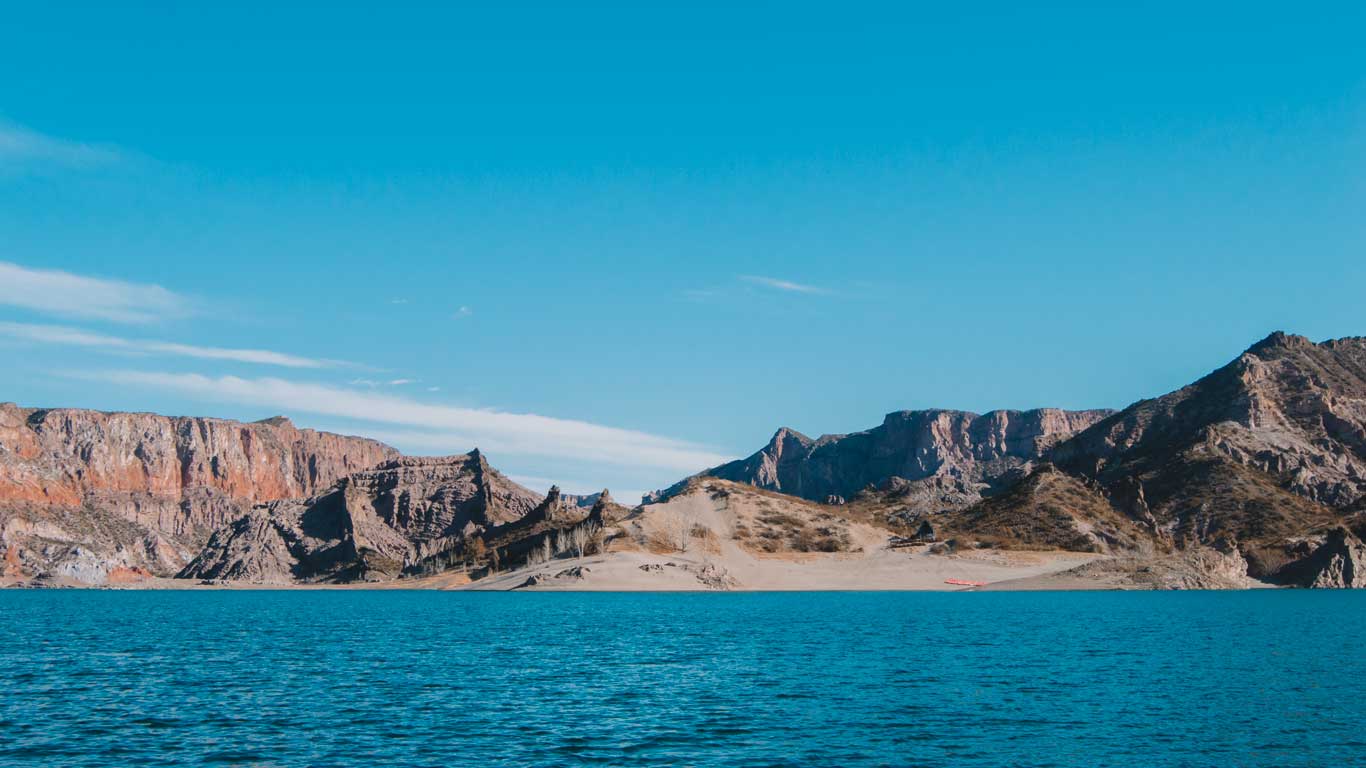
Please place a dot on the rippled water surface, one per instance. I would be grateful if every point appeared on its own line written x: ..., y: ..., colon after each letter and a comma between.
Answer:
x: 428, y: 678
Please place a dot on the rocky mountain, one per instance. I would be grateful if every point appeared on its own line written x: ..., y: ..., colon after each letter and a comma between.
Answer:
x: 408, y: 515
x: 1267, y: 447
x: 934, y: 460
x: 1264, y: 458
x: 85, y: 492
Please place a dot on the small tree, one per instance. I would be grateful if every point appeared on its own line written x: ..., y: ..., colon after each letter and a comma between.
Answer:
x: 580, y: 536
x: 680, y: 529
x: 540, y: 554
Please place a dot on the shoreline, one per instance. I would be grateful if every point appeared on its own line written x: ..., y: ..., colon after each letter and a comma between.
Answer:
x: 730, y: 569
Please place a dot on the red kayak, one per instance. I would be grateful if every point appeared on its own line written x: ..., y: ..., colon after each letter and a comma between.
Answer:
x: 963, y: 583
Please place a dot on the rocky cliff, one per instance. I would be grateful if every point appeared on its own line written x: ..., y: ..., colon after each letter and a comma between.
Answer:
x: 1269, y: 446
x: 1260, y: 458
x: 84, y: 492
x: 935, y: 460
x: 406, y: 516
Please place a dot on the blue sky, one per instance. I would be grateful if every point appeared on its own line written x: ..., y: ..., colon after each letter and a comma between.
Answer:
x: 611, y: 243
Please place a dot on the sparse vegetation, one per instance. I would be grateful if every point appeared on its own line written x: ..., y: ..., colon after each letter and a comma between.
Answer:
x: 582, y: 537
x: 1041, y: 512
x: 541, y: 554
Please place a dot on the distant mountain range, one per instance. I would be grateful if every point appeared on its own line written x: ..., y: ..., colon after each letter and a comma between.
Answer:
x: 1260, y: 466
x: 942, y: 459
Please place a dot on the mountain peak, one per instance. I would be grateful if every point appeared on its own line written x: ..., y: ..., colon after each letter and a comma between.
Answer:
x: 1279, y: 340
x: 785, y: 433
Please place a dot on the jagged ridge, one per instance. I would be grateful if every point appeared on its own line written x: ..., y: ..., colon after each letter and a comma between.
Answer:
x: 942, y: 459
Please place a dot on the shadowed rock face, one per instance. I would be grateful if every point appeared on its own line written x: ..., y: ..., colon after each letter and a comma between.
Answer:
x: 371, y: 525
x: 1271, y: 445
x: 940, y: 459
x: 99, y: 491
x: 1338, y: 563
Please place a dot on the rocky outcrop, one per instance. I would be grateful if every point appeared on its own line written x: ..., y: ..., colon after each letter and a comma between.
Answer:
x: 409, y: 515
x: 1338, y: 563
x: 554, y: 510
x: 79, y: 545
x: 936, y: 459
x: 84, y: 494
x: 606, y: 511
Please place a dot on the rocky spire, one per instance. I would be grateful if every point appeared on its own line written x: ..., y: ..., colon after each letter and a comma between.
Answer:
x: 601, y: 510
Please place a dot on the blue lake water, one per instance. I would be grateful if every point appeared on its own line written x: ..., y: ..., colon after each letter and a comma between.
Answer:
x: 90, y: 678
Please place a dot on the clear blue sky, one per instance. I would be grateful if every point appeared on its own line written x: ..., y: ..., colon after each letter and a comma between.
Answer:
x: 696, y: 222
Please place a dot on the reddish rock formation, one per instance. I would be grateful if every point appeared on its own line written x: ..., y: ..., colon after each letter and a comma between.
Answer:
x: 99, y: 491
x: 176, y: 475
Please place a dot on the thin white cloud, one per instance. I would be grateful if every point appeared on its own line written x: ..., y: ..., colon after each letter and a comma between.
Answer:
x: 433, y: 389
x: 448, y: 428
x: 76, y: 337
x: 372, y: 384
x: 463, y: 312
x: 20, y: 145
x: 63, y: 293
x: 782, y: 285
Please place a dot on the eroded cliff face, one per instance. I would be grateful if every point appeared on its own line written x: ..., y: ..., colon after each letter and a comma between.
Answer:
x: 87, y: 492
x: 935, y: 460
x: 372, y: 525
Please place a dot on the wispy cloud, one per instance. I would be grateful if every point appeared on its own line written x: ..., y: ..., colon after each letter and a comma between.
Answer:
x: 782, y: 285
x: 77, y: 337
x: 63, y: 293
x: 463, y: 312
x: 20, y: 145
x: 450, y: 427
x: 372, y: 384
